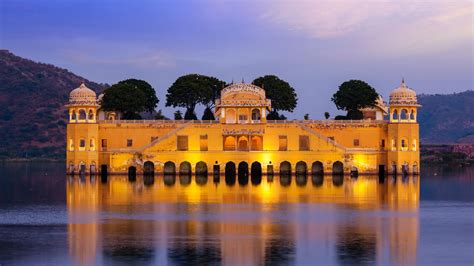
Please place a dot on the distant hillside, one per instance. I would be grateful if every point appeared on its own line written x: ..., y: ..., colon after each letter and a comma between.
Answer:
x: 32, y: 113
x: 447, y: 118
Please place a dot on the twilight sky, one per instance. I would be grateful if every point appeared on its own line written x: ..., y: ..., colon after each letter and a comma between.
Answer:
x: 314, y: 45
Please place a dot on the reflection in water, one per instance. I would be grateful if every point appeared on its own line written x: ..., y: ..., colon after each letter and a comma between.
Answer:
x: 194, y: 221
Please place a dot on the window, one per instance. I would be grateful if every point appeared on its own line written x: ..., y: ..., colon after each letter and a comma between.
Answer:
x: 356, y: 142
x: 256, y: 144
x: 255, y: 115
x: 412, y: 115
x: 203, y: 142
x: 129, y: 142
x: 395, y: 115
x: 382, y: 143
x: 82, y: 144
x: 304, y: 143
x: 182, y: 143
x: 91, y: 115
x: 403, y: 145
x: 282, y: 143
x: 82, y: 114
x: 92, y: 145
x: 229, y: 143
x: 104, y: 143
x: 243, y: 118
x: 404, y: 114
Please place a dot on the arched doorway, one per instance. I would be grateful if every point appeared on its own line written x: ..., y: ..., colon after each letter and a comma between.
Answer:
x: 285, y: 168
x: 243, y: 143
x: 132, y: 172
x: 301, y: 168
x: 229, y: 143
x: 169, y: 168
x: 201, y: 168
x: 148, y: 168
x: 317, y: 168
x: 337, y: 168
x: 243, y: 173
x: 256, y: 144
x: 256, y: 173
x: 256, y: 116
x: 185, y: 168
x: 229, y: 173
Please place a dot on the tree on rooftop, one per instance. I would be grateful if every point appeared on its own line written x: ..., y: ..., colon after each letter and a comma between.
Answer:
x: 354, y: 95
x: 193, y: 89
x: 280, y: 92
x: 130, y: 97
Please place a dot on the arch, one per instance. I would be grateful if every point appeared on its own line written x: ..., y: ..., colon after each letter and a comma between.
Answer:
x: 148, y: 168
x: 132, y: 172
x: 185, y: 168
x: 415, y: 168
x: 256, y: 173
x: 256, y: 115
x: 301, y: 168
x: 285, y: 168
x: 337, y: 168
x: 74, y: 115
x: 82, y: 168
x: 243, y: 116
x: 317, y: 168
x: 201, y: 168
x: 92, y: 167
x: 230, y: 116
x: 82, y: 114
x: 354, y: 172
x: 243, y: 143
x: 229, y: 143
x: 243, y: 173
x: 404, y: 114
x: 91, y: 115
x: 169, y: 168
x: 256, y: 143
x: 413, y: 115
x: 395, y: 115
x: 230, y: 173
x: 71, y: 167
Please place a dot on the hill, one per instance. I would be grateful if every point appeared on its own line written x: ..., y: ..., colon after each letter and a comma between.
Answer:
x: 447, y: 118
x: 32, y: 112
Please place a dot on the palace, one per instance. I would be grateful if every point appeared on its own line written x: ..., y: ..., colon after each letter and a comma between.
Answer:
x: 243, y: 140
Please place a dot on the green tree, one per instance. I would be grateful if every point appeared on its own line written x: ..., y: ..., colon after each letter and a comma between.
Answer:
x: 190, y: 115
x: 160, y: 116
x: 208, y: 115
x: 354, y: 95
x: 326, y: 115
x: 130, y: 97
x: 306, y: 117
x: 274, y: 115
x: 283, y: 96
x: 193, y: 89
x: 178, y: 115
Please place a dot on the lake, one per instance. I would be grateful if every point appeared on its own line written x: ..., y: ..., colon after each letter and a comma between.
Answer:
x: 47, y: 217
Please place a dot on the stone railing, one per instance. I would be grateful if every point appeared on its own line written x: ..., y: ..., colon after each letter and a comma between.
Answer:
x: 158, y: 122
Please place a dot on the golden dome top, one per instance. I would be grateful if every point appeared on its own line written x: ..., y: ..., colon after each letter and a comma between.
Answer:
x: 403, y: 95
x: 82, y: 95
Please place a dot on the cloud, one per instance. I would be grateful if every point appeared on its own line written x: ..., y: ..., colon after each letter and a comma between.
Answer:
x: 325, y: 19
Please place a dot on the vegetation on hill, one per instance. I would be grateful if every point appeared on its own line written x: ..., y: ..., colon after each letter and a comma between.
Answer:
x: 32, y: 112
x: 447, y: 118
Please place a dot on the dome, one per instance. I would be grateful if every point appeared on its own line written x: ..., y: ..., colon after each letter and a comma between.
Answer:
x: 245, y: 95
x: 243, y: 89
x: 82, y: 95
x: 403, y: 96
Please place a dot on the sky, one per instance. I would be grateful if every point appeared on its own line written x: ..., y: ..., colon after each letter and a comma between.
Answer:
x: 314, y: 45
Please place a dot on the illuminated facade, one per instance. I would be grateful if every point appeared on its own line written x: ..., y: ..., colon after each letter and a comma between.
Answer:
x: 242, y: 140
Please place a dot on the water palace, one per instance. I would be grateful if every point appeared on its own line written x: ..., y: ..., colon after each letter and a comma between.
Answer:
x: 241, y: 139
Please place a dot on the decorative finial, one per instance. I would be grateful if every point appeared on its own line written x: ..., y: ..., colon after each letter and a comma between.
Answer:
x: 232, y: 82
x: 403, y: 80
x: 243, y: 81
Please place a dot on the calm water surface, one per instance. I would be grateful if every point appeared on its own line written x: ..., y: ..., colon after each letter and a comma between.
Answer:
x: 49, y: 218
